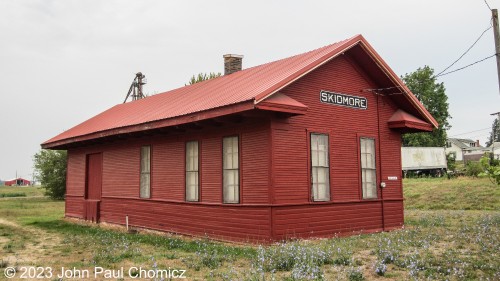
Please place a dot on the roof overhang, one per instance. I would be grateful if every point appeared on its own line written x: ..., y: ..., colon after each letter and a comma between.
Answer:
x: 189, y: 118
x: 408, y: 123
x: 282, y: 103
x: 277, y: 103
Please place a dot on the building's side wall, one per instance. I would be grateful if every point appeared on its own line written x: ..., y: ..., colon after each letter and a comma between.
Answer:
x: 75, y: 183
x: 167, y: 209
x: 457, y: 150
x: 346, y: 211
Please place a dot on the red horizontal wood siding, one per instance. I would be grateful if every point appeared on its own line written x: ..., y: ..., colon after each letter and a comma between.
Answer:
x: 74, y: 206
x: 121, y: 170
x: 344, y: 126
x: 168, y: 167
x: 211, y: 170
x: 290, y: 166
x: 235, y: 223
x: 75, y: 178
x: 326, y: 219
x: 255, y: 166
x: 275, y: 185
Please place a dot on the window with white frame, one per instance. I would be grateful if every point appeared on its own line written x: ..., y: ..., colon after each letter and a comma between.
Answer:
x: 145, y: 181
x: 320, y: 168
x: 192, y: 171
x: 231, y: 172
x: 368, y: 168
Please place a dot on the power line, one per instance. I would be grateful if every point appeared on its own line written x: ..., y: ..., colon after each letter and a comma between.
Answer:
x: 470, y: 132
x: 473, y: 44
x: 488, y: 5
x: 461, y: 68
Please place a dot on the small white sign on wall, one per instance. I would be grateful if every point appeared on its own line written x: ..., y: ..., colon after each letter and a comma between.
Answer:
x: 392, y: 178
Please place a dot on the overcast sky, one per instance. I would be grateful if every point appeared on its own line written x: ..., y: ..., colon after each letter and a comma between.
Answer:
x: 62, y: 62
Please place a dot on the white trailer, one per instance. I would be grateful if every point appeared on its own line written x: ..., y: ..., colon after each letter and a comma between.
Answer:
x: 423, y: 159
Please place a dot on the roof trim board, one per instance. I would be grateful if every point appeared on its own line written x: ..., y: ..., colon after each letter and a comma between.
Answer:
x: 325, y: 59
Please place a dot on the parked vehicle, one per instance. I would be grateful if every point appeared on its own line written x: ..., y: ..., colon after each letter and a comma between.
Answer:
x: 423, y: 161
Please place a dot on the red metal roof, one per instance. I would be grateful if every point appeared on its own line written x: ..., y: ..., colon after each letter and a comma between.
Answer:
x: 255, y: 85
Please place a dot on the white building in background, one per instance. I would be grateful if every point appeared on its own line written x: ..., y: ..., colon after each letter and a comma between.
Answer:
x: 462, y: 147
x: 495, y: 149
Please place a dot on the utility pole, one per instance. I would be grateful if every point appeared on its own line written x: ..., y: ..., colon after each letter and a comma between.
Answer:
x: 494, y: 133
x: 494, y: 15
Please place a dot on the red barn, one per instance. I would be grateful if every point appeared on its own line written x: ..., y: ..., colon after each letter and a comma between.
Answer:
x: 17, y: 182
x: 306, y: 146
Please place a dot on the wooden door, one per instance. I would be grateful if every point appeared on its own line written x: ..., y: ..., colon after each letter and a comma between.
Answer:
x: 93, y: 186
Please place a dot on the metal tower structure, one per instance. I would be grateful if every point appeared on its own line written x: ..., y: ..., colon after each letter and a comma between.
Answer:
x: 135, y: 90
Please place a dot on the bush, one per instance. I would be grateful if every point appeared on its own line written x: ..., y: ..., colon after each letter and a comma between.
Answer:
x: 50, y: 167
x: 473, y: 169
x: 491, y: 169
x: 451, y: 161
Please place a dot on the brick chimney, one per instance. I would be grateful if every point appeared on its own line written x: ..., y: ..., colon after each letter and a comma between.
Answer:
x: 232, y: 63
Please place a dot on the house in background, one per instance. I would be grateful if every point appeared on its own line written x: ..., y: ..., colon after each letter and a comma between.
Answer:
x: 17, y: 182
x: 461, y: 147
x: 495, y: 149
x: 306, y: 146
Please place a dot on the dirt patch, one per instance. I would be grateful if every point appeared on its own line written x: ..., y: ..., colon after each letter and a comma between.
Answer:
x: 35, y: 245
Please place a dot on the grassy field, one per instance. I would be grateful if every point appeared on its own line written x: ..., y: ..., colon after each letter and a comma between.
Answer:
x: 20, y: 191
x: 456, y: 194
x: 457, y: 239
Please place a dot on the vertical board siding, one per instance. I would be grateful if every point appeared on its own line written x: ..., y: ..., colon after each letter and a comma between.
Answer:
x: 121, y: 166
x: 75, y: 179
x: 168, y: 168
x: 94, y: 176
x: 255, y: 166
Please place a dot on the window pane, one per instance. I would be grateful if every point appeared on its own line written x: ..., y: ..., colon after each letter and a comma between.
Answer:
x: 230, y: 165
x: 144, y: 181
x: 145, y: 159
x: 145, y: 191
x: 368, y: 168
x: 231, y: 186
x: 314, y: 158
x: 320, y: 167
x: 195, y: 156
x: 192, y: 185
x: 192, y: 156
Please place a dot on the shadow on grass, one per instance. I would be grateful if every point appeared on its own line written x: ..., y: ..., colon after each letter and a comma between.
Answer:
x: 166, y: 243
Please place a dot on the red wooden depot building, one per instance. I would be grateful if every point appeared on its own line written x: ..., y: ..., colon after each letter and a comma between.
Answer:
x: 306, y: 146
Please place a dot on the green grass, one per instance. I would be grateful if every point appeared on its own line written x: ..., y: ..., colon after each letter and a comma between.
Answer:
x: 461, y: 193
x: 442, y: 240
x: 31, y: 210
x: 29, y: 191
x: 18, y: 194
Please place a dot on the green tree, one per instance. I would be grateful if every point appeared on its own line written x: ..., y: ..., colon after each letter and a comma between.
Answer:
x: 202, y: 77
x: 433, y: 96
x: 494, y: 134
x: 50, y: 169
